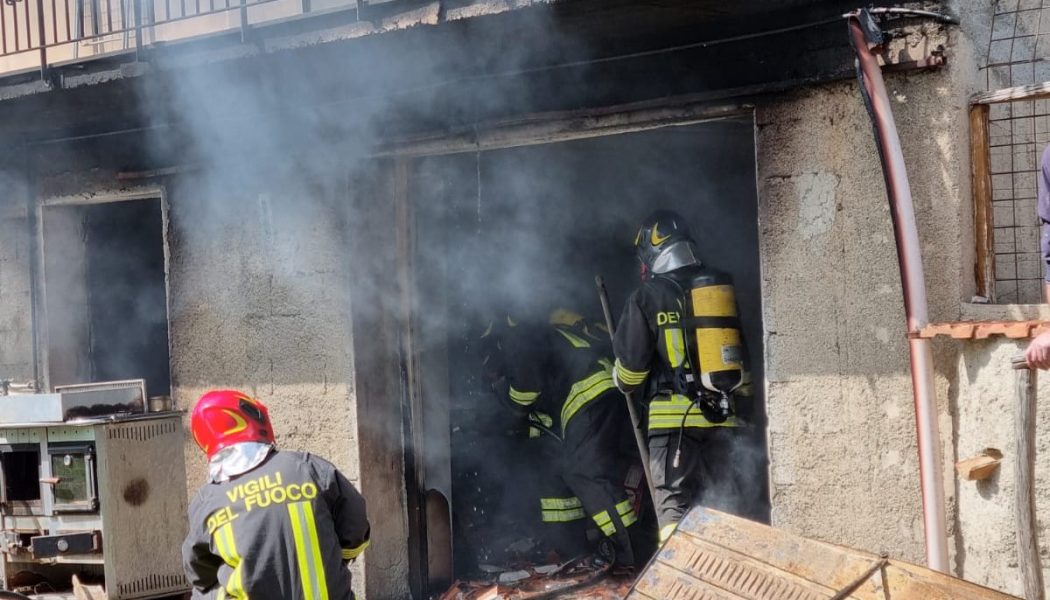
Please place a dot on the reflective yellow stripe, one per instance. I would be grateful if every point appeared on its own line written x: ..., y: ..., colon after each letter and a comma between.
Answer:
x: 523, y: 398
x: 576, y: 341
x: 534, y: 433
x: 666, y: 413
x: 582, y: 392
x: 674, y: 343
x: 628, y: 376
x: 627, y: 514
x: 308, y: 551
x: 560, y: 503
x: 605, y: 523
x: 352, y: 553
x: 666, y: 531
x: 541, y: 417
x: 235, y: 585
x: 226, y: 546
x: 562, y: 516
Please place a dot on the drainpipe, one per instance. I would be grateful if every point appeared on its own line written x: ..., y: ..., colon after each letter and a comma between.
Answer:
x: 865, y: 35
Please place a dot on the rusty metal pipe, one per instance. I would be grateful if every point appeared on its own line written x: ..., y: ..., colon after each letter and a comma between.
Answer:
x: 909, y: 257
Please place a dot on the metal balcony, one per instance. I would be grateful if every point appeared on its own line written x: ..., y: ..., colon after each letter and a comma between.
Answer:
x: 36, y: 35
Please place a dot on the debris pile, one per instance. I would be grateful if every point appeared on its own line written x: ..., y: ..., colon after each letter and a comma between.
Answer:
x: 588, y: 578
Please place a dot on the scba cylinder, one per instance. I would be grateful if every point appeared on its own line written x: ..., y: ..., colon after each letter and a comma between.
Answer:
x: 714, y: 340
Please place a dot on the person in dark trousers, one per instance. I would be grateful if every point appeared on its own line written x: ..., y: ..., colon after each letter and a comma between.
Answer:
x: 268, y: 524
x: 559, y: 378
x: 691, y: 430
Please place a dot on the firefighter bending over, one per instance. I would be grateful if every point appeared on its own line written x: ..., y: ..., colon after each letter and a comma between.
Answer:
x: 679, y: 344
x: 559, y: 376
x: 268, y: 523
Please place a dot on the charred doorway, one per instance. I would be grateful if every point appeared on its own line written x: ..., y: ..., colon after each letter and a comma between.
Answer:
x: 519, y: 231
x: 105, y: 293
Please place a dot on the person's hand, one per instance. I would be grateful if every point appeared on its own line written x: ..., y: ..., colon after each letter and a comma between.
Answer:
x: 1038, y: 352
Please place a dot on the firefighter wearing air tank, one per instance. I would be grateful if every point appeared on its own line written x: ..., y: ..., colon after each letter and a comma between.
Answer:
x: 268, y: 523
x: 560, y: 378
x: 679, y: 346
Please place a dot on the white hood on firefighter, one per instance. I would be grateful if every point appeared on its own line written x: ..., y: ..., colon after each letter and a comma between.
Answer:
x: 236, y: 459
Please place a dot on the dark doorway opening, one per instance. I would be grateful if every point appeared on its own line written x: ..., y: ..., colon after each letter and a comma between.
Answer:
x: 106, y: 293
x: 520, y: 231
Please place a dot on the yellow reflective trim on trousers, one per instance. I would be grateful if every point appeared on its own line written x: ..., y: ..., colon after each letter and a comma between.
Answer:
x: 523, y: 398
x: 560, y: 503
x: 576, y: 341
x: 352, y: 553
x: 582, y: 392
x: 308, y: 551
x: 628, y: 376
x: 674, y: 343
x: 227, y: 549
x: 562, y: 516
x: 627, y: 514
x: 666, y: 531
x: 605, y: 523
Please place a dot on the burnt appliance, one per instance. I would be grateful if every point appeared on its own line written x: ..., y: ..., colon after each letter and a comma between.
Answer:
x: 92, y: 488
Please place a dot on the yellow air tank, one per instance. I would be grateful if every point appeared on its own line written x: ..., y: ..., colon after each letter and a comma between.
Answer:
x: 715, y: 342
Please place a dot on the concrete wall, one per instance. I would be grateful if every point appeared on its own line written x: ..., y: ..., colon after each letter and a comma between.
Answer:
x: 987, y: 542
x: 16, y: 326
x: 843, y: 461
x: 271, y: 317
x: 259, y: 300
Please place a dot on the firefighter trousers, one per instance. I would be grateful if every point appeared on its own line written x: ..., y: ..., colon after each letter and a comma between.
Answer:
x: 595, y: 471
x: 704, y: 475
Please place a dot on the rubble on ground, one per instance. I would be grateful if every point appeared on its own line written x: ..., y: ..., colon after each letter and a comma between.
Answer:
x: 588, y: 578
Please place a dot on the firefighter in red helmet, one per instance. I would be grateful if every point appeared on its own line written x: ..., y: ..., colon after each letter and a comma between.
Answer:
x: 268, y: 523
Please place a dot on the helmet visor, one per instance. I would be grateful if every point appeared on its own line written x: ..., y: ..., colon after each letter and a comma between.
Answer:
x: 675, y: 256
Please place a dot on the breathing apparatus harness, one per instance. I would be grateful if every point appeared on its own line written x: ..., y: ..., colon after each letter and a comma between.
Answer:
x: 714, y: 404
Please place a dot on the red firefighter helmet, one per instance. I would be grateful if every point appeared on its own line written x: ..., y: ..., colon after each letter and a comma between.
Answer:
x: 225, y: 417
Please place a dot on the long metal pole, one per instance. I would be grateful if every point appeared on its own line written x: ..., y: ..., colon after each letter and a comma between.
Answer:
x: 913, y: 281
x: 636, y: 422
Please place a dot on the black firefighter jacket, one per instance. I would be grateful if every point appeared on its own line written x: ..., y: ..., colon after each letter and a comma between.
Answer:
x: 282, y: 531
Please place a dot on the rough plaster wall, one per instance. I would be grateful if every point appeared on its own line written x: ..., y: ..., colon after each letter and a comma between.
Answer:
x: 987, y: 549
x: 843, y: 463
x: 16, y: 327
x: 260, y: 302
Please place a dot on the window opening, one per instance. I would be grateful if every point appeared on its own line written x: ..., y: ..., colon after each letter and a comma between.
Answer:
x: 1009, y: 133
x: 106, y: 294
x: 20, y: 476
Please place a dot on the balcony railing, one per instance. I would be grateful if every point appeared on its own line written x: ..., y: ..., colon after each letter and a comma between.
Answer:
x: 39, y: 34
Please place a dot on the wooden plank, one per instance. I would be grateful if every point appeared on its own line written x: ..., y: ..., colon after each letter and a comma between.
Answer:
x: 1024, y: 474
x: 1035, y: 91
x: 714, y: 555
x: 981, y: 179
x: 979, y: 467
x: 904, y: 581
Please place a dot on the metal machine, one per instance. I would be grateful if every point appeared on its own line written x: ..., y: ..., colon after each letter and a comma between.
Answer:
x: 92, y: 493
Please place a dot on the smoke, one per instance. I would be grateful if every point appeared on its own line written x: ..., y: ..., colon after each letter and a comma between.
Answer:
x: 283, y: 236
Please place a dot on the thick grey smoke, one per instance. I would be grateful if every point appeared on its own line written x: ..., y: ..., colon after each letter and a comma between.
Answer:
x: 274, y: 176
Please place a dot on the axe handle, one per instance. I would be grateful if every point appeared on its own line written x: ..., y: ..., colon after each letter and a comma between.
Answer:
x: 636, y: 423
